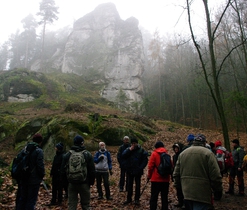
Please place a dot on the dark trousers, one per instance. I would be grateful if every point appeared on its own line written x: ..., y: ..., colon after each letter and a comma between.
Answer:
x: 122, y: 182
x: 194, y: 205
x: 28, y: 196
x: 180, y: 195
x: 131, y: 179
x: 233, y: 173
x: 57, y: 190
x: 105, y: 177
x: 156, y: 188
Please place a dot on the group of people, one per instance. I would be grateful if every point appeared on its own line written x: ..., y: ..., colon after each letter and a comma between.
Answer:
x: 196, y: 174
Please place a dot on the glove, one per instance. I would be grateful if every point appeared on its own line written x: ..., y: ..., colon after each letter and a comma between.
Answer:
x: 111, y: 172
x: 101, y: 157
x: 217, y: 195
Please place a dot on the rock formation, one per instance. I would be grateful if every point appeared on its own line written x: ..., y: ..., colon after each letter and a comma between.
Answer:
x: 107, y: 50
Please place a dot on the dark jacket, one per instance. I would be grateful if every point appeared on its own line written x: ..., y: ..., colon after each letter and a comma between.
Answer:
x: 238, y: 156
x: 36, y: 165
x: 89, y: 160
x: 56, y: 164
x: 136, y: 160
x: 121, y: 160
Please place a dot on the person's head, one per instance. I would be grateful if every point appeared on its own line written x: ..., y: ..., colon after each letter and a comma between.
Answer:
x: 126, y: 140
x: 102, y: 146
x: 134, y: 142
x: 235, y: 142
x: 212, y: 145
x: 200, y: 139
x: 59, y: 146
x: 190, y: 138
x: 176, y: 148
x: 37, y: 138
x: 158, y: 144
x: 218, y: 143
x: 78, y: 140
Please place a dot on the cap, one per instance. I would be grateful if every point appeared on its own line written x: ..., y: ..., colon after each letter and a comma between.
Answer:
x: 200, y: 137
x: 37, y: 138
x: 158, y: 144
x: 190, y: 137
x: 59, y: 146
x: 236, y: 141
x: 133, y: 140
x: 218, y: 143
x: 78, y: 140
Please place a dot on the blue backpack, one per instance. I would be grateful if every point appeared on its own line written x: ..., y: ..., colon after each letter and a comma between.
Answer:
x: 165, y: 166
x: 20, y: 166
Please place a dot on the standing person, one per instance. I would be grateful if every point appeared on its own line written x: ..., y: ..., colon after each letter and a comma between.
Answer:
x: 122, y: 164
x: 177, y: 150
x: 137, y: 159
x: 190, y: 139
x: 159, y: 184
x: 57, y: 185
x: 30, y: 185
x: 236, y: 170
x: 103, y: 161
x: 198, y: 173
x: 78, y: 163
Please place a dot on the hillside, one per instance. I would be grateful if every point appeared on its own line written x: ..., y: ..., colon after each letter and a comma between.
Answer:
x: 66, y: 104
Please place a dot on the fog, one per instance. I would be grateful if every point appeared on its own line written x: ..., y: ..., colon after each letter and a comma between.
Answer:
x: 167, y: 16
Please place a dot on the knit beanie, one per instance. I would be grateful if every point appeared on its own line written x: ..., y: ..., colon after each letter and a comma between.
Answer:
x: 59, y: 146
x: 133, y: 140
x: 78, y: 140
x: 37, y: 138
x: 158, y: 144
x: 190, y: 138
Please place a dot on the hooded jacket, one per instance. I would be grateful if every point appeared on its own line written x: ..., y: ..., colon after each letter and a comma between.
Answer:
x: 90, y: 164
x: 197, y: 172
x: 105, y: 164
x: 153, y: 164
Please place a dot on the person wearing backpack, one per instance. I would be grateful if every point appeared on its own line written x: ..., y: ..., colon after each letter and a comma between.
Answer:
x: 80, y: 170
x: 177, y: 147
x: 238, y: 156
x: 136, y: 158
x: 57, y: 185
x: 103, y: 165
x: 122, y: 164
x: 198, y: 173
x: 30, y: 183
x: 159, y: 183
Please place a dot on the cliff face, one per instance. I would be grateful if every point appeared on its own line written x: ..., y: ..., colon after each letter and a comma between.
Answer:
x: 105, y: 49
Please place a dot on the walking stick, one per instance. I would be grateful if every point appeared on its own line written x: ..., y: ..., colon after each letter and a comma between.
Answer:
x: 142, y: 192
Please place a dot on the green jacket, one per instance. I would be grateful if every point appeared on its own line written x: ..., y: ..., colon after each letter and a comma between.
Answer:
x: 198, y: 173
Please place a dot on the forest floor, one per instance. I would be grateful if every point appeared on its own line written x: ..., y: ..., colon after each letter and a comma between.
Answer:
x: 228, y: 202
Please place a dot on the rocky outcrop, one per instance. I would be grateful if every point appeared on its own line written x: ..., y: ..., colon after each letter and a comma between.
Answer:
x: 108, y: 50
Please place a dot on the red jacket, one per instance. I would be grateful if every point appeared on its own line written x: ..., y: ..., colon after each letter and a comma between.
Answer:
x: 153, y: 163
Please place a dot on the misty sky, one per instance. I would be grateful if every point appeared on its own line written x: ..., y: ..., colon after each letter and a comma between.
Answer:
x: 165, y: 15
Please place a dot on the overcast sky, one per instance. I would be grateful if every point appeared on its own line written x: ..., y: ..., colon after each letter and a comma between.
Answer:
x: 165, y: 15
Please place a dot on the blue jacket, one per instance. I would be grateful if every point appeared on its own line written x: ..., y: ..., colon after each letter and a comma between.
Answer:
x: 101, y: 165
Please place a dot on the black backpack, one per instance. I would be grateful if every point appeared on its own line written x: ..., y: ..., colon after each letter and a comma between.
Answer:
x: 165, y: 166
x: 20, y: 168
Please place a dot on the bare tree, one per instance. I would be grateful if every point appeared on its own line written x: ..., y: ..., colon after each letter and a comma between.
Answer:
x: 212, y: 72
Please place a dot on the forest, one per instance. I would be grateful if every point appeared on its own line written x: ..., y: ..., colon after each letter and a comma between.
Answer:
x: 196, y: 80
